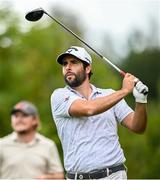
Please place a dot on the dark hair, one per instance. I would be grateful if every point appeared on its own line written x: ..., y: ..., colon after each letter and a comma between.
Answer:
x: 85, y: 64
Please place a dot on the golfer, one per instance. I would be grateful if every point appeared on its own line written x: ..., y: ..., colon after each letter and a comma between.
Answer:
x: 86, y: 118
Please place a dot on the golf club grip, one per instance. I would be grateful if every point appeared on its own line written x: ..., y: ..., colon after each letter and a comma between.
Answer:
x: 122, y: 73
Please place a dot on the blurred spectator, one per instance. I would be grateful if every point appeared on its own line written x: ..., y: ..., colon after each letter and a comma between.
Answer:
x: 25, y: 153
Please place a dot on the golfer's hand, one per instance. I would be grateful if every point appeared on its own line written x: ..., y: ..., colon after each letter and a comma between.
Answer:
x: 128, y: 82
x: 140, y: 92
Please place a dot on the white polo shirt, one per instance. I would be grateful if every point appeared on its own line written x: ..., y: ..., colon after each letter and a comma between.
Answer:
x: 28, y: 160
x: 88, y: 142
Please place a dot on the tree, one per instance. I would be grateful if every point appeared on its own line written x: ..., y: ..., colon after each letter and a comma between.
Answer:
x: 145, y: 65
x: 143, y: 57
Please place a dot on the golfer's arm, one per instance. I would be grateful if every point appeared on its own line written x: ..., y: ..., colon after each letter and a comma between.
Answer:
x: 96, y: 106
x: 137, y: 121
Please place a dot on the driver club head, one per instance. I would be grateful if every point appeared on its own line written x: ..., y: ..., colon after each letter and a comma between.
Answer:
x: 35, y: 14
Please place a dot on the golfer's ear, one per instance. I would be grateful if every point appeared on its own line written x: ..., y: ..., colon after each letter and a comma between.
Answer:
x: 88, y: 69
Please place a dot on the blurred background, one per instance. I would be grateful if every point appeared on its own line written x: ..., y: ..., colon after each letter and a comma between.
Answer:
x: 126, y: 32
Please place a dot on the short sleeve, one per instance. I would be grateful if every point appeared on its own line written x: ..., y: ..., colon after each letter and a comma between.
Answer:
x: 61, y: 102
x: 122, y: 110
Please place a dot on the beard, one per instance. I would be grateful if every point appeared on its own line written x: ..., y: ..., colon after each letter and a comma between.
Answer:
x: 77, y: 80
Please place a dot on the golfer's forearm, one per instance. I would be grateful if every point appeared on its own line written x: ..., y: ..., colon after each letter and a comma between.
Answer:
x: 140, y: 118
x: 102, y: 104
x: 137, y: 120
x: 98, y: 105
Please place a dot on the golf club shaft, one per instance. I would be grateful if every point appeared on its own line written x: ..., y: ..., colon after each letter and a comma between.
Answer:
x: 122, y: 73
x: 36, y: 14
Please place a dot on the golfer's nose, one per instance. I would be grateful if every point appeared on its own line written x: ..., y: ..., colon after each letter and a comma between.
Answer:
x: 68, y: 66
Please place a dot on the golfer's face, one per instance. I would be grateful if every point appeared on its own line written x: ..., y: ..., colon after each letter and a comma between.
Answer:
x: 73, y: 71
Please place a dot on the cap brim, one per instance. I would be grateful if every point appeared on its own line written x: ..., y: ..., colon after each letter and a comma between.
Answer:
x: 18, y: 110
x: 61, y: 57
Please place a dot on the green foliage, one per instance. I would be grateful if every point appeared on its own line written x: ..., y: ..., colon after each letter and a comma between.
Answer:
x: 143, y: 151
x: 146, y: 66
x: 28, y: 70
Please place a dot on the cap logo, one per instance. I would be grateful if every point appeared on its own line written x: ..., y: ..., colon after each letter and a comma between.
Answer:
x: 66, y: 98
x: 72, y: 48
x: 87, y: 59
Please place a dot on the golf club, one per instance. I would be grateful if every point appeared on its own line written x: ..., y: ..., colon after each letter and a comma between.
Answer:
x: 36, y: 14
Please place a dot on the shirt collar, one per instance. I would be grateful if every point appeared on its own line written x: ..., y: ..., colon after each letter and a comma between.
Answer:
x: 95, y: 90
x: 15, y: 138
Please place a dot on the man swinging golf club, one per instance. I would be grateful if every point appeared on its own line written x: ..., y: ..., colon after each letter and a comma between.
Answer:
x: 86, y: 118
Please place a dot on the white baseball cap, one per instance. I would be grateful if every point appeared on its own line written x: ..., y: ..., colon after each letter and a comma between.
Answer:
x: 77, y: 52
